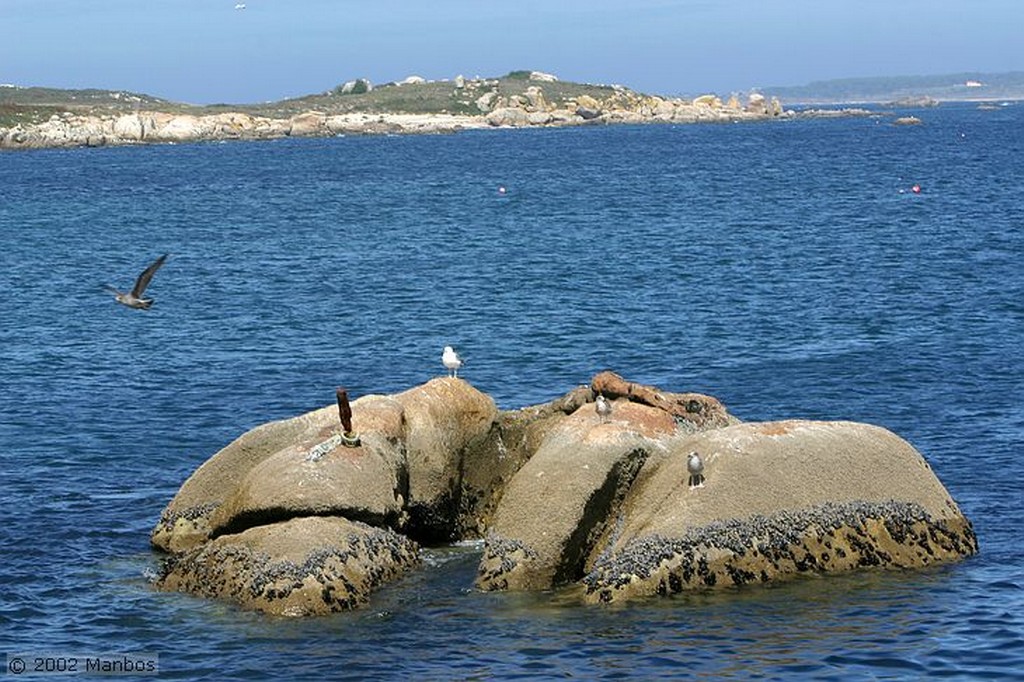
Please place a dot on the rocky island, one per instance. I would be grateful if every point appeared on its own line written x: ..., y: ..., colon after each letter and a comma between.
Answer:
x: 32, y: 118
x: 307, y: 515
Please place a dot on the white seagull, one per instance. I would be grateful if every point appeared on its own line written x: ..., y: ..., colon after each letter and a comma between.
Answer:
x: 695, y: 465
x: 604, y: 408
x: 133, y: 298
x: 451, y: 360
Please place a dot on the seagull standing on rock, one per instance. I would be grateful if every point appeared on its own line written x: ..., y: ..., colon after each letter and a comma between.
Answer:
x: 695, y: 465
x: 604, y: 408
x: 451, y: 360
x: 133, y: 298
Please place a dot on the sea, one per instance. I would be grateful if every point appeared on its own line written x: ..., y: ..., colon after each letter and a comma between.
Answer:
x: 788, y: 268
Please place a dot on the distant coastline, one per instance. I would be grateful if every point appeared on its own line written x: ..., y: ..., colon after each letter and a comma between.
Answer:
x: 970, y: 86
x: 36, y: 118
x: 39, y: 118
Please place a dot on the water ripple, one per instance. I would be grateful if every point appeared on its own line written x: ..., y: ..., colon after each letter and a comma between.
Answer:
x: 741, y: 261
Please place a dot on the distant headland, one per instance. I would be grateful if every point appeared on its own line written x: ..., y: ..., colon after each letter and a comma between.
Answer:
x: 33, y: 118
x: 968, y: 86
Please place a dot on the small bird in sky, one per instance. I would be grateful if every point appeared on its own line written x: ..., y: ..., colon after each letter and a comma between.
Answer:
x: 603, y: 407
x: 451, y: 360
x: 134, y: 299
x: 695, y: 465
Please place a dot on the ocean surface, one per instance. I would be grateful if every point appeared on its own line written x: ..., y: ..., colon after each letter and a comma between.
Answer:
x: 785, y: 268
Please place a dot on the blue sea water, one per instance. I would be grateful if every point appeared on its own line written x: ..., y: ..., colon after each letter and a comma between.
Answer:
x: 785, y: 268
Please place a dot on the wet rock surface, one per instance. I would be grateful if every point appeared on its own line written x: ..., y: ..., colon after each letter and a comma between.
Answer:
x: 826, y: 539
x: 302, y: 567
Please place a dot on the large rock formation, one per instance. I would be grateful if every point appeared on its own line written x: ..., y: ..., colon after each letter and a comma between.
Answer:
x: 780, y: 498
x: 610, y: 505
x: 295, y: 518
x: 405, y: 474
x: 407, y: 468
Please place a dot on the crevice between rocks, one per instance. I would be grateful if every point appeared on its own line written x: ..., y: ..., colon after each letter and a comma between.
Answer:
x: 265, y: 517
x: 436, y: 523
x: 602, y: 506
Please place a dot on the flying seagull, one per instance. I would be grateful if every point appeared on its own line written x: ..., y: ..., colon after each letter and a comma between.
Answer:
x: 451, y: 360
x: 133, y: 299
x: 604, y: 408
x: 695, y: 465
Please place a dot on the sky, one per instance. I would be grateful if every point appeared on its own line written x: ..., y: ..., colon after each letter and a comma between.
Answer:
x: 207, y: 51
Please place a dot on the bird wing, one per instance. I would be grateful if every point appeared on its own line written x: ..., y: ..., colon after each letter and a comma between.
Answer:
x: 111, y: 289
x: 143, y: 281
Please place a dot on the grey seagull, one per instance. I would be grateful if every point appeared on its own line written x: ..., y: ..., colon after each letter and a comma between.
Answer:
x: 695, y: 465
x: 133, y: 298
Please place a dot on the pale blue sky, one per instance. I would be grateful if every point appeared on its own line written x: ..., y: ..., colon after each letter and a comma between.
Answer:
x: 206, y: 51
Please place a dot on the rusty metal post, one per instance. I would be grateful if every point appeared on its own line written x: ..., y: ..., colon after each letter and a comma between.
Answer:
x: 344, y: 410
x: 349, y: 437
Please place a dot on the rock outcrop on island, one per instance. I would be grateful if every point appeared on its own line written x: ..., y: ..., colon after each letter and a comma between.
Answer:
x: 292, y: 520
x: 78, y: 130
